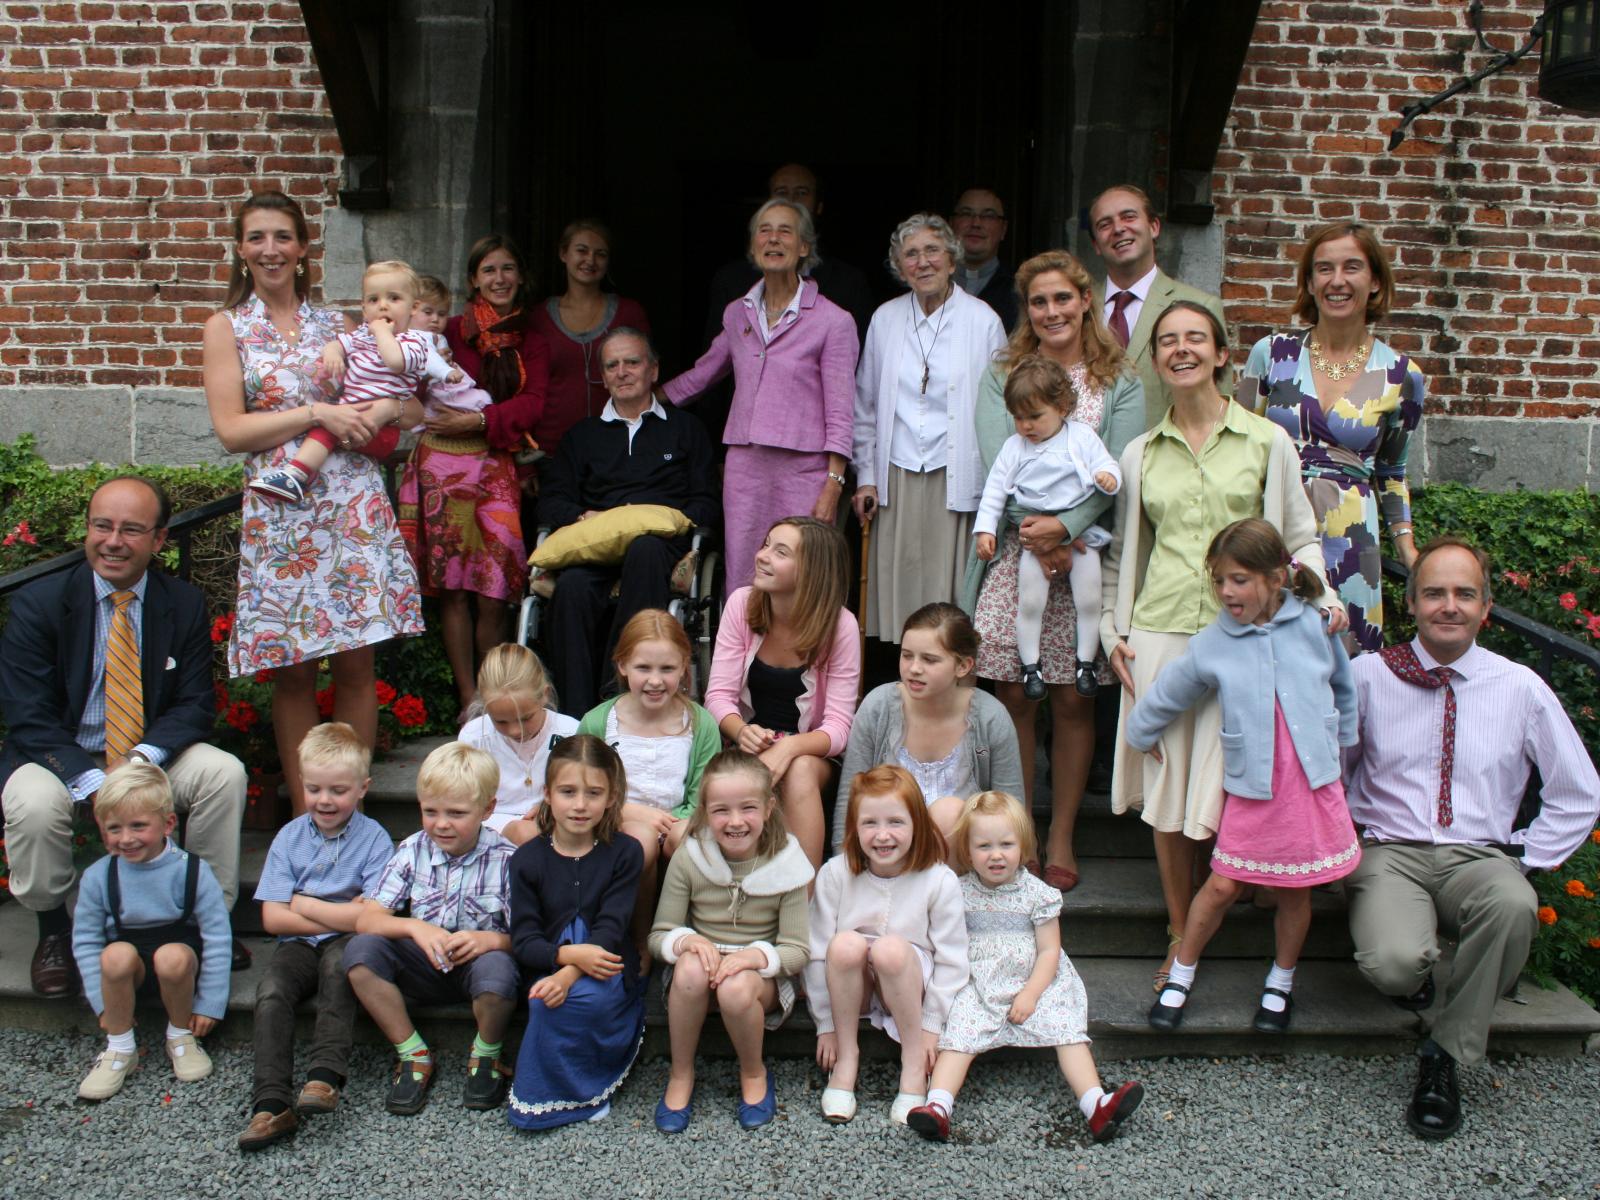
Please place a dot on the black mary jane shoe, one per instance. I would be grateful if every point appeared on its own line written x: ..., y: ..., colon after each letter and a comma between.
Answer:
x: 1435, y: 1111
x: 1167, y: 1017
x: 1267, y: 1021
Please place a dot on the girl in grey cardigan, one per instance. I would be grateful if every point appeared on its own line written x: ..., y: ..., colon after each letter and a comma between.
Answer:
x: 955, y: 740
x: 1288, y: 704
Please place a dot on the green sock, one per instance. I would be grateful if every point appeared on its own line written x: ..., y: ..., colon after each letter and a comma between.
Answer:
x: 412, y: 1047
x: 487, y: 1051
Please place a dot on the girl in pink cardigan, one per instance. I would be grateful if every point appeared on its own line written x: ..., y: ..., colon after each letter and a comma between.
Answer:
x: 787, y: 668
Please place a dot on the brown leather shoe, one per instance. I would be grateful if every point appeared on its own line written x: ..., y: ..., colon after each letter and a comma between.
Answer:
x: 316, y: 1097
x: 266, y: 1128
x: 54, y: 973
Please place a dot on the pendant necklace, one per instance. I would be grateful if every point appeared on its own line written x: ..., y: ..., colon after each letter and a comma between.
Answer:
x: 916, y: 329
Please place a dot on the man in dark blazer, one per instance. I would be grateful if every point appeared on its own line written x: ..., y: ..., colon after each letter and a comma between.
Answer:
x: 53, y: 655
x: 979, y: 220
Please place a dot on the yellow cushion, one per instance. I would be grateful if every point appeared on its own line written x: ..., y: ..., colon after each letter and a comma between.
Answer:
x: 603, y: 539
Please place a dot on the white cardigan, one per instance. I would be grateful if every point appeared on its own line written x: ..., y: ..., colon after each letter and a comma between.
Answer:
x: 976, y: 336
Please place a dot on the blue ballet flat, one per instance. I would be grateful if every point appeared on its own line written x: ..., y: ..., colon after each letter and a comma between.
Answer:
x: 673, y: 1120
x: 754, y: 1116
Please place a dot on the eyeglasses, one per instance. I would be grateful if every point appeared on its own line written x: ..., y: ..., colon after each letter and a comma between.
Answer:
x: 978, y: 214
x: 106, y: 528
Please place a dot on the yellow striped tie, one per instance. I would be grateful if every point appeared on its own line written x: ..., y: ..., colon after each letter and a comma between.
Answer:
x: 124, y: 686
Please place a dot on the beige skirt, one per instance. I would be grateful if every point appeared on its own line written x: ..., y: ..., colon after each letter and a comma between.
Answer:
x: 1184, y: 791
x: 919, y: 551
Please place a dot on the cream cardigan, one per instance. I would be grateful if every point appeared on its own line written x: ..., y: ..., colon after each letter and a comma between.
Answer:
x: 1283, y: 505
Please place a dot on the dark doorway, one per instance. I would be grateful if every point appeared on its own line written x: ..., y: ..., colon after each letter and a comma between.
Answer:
x: 665, y: 120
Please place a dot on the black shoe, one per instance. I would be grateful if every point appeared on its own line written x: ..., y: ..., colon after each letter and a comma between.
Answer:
x: 1086, y: 680
x: 1032, y: 682
x: 1435, y: 1111
x: 241, y: 956
x: 1167, y: 1017
x: 486, y: 1084
x: 409, y: 1091
x: 1267, y: 1021
x: 1419, y: 999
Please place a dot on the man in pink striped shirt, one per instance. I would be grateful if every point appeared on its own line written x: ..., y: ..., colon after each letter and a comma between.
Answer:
x: 1449, y: 734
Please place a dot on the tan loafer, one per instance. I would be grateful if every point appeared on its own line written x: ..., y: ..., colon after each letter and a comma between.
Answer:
x: 316, y: 1098
x: 266, y: 1128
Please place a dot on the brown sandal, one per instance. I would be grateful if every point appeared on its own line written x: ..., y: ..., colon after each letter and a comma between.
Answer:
x: 1158, y: 981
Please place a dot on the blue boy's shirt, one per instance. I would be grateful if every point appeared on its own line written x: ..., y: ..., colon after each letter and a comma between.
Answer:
x: 302, y: 861
x: 152, y: 895
x: 1291, y: 661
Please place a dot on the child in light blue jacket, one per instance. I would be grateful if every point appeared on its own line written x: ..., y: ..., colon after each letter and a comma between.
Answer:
x: 1288, y: 705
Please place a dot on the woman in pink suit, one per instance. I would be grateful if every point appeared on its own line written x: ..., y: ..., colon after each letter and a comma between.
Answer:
x: 793, y: 357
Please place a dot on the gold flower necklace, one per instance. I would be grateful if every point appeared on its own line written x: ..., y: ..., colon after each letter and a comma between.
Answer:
x: 1337, y: 370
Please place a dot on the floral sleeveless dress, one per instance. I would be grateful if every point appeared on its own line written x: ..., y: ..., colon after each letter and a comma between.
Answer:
x: 328, y: 575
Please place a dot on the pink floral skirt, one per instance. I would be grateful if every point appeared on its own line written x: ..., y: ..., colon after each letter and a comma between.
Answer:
x: 460, y: 515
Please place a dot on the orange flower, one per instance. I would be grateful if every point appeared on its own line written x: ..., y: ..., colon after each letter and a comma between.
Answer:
x: 1595, y: 837
x: 1594, y: 943
x: 1547, y: 915
x: 1576, y: 887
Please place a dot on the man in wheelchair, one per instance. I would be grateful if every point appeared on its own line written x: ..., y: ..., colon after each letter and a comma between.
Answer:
x: 636, y: 452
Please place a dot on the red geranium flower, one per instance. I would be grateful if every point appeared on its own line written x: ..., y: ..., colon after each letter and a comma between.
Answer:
x: 20, y: 534
x: 386, y: 693
x: 242, y: 716
x: 325, y: 702
x: 410, y: 711
x: 221, y: 628
x: 1567, y: 601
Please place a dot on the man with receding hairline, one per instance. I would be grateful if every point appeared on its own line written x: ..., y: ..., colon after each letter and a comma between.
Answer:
x: 100, y: 665
x: 979, y: 220
x: 1125, y: 228
x: 1449, y: 735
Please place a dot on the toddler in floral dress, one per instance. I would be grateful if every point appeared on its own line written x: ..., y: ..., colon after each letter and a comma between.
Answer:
x: 1023, y: 990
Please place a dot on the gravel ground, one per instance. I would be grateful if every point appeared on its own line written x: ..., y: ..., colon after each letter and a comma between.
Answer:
x: 1281, y: 1128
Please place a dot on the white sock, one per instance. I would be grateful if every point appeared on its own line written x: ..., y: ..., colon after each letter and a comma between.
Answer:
x: 945, y: 1100
x: 1281, y: 978
x: 122, y: 1043
x: 601, y: 1113
x: 1182, y: 974
x: 174, y: 1032
x: 1087, y: 1101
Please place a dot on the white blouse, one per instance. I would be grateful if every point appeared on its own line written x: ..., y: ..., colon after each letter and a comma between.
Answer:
x: 657, y: 767
x: 522, y: 764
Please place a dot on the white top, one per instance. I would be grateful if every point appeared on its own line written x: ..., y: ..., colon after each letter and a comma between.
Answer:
x: 974, y: 335
x: 1047, y: 476
x: 610, y: 413
x: 522, y: 764
x: 657, y: 767
x: 922, y: 420
x: 1507, y: 722
x: 1140, y: 289
x: 924, y: 907
x: 756, y: 297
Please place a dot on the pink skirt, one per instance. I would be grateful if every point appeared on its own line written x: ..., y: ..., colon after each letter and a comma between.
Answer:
x: 1300, y: 837
x: 760, y: 485
x: 460, y: 517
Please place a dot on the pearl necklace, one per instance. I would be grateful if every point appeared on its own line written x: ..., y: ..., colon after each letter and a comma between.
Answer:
x: 1337, y: 371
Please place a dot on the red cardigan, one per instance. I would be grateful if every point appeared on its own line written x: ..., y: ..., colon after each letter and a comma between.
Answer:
x: 516, y: 415
x: 571, y: 395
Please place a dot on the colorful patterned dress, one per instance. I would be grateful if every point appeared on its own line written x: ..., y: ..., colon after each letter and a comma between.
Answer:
x: 330, y: 574
x: 1353, y: 459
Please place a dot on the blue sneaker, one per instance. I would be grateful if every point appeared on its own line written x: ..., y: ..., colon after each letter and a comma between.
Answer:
x: 754, y: 1116
x: 281, y: 484
x: 673, y: 1120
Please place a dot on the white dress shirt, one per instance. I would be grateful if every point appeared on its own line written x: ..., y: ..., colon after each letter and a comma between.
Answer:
x: 1140, y: 289
x: 1507, y: 722
x: 610, y: 413
x: 756, y: 298
x: 922, y: 421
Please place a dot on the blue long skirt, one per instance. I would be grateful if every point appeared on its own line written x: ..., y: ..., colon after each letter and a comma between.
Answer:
x: 575, y: 1056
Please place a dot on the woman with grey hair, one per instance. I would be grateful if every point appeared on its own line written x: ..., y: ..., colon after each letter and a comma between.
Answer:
x: 915, y: 445
x: 793, y: 357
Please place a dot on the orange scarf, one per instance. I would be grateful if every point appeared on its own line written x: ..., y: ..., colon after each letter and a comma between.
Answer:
x: 498, y: 341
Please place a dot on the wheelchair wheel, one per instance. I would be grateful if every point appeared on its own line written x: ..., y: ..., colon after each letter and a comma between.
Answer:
x: 700, y: 614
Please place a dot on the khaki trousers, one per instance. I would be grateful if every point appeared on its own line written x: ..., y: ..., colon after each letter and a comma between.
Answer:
x: 1404, y: 894
x: 208, y: 787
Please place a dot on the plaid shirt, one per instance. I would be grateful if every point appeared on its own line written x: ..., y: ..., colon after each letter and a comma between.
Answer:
x: 336, y: 869
x: 468, y: 892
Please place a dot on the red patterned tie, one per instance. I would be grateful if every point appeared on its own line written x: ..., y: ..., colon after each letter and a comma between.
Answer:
x: 1402, y: 660
x: 1119, y: 317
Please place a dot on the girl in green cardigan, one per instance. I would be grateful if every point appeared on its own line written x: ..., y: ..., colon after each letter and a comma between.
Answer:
x: 664, y: 740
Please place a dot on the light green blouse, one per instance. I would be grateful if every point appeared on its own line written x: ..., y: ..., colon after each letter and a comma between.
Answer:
x: 1188, y: 499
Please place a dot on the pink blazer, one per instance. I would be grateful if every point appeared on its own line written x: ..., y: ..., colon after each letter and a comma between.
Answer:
x: 794, y: 392
x: 829, y: 701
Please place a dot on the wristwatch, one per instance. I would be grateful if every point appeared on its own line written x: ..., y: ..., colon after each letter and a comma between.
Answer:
x: 836, y: 477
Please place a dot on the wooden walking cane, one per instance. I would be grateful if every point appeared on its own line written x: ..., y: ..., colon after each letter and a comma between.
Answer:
x: 861, y: 614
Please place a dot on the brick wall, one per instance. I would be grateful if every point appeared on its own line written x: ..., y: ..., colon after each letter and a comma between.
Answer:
x: 1488, y: 208
x: 129, y: 133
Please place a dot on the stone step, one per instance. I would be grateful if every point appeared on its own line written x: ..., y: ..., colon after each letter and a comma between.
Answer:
x: 1336, y: 1013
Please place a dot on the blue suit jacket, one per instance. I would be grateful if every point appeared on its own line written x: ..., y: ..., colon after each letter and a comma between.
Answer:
x: 46, y: 670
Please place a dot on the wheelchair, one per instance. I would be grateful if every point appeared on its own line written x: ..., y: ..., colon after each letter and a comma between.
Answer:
x: 696, y: 604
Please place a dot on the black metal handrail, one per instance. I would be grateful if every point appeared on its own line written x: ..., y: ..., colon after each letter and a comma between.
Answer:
x: 1550, y: 643
x: 180, y: 530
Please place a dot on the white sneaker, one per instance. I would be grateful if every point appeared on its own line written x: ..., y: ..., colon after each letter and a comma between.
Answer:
x: 189, y: 1062
x: 904, y: 1102
x: 106, y: 1077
